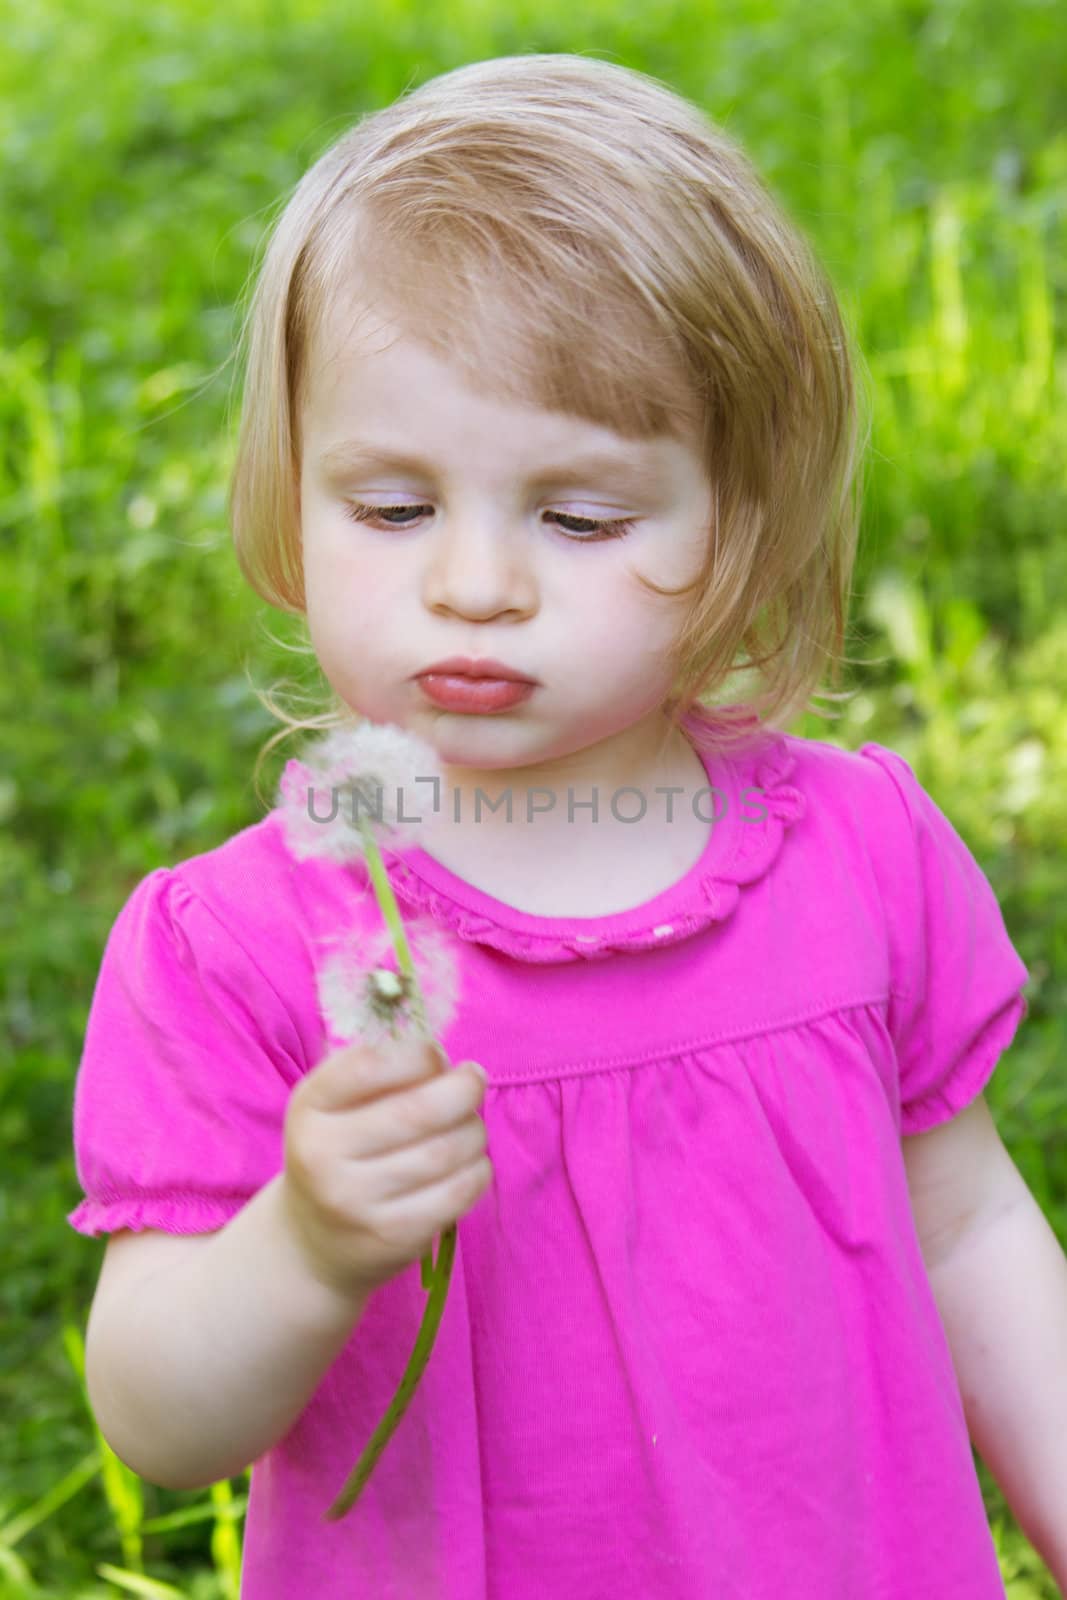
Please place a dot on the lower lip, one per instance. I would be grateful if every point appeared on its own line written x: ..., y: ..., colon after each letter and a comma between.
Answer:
x: 473, y: 694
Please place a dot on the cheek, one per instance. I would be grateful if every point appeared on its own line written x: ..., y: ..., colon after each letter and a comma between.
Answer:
x: 650, y: 622
x: 322, y: 599
x: 334, y: 604
x: 342, y: 590
x: 629, y: 638
x: 346, y: 626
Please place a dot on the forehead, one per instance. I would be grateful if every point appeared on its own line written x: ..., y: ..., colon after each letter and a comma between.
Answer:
x: 387, y: 401
x: 356, y: 340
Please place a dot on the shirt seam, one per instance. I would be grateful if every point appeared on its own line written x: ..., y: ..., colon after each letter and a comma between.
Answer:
x: 201, y: 1197
x: 688, y: 1046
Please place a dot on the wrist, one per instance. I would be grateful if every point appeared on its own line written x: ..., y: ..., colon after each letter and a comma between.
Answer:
x: 325, y: 1297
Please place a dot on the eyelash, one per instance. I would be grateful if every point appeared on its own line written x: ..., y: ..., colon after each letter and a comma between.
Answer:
x: 619, y: 526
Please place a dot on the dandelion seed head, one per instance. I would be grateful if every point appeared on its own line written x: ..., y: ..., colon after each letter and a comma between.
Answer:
x: 365, y: 999
x: 375, y: 773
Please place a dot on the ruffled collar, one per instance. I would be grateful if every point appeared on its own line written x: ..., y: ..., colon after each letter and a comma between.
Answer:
x: 740, y: 848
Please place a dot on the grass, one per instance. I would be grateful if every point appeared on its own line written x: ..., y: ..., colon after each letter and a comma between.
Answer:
x: 920, y: 144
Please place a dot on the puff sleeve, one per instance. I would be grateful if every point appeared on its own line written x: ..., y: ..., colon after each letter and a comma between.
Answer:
x: 189, y: 1059
x: 956, y: 977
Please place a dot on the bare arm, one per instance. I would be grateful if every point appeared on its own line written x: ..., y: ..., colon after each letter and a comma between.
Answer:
x: 1001, y: 1291
x: 197, y: 1371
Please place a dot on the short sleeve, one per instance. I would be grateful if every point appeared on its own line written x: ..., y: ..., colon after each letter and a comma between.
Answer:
x: 956, y: 977
x: 188, y: 1062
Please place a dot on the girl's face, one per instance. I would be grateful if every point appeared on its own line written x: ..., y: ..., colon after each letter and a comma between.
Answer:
x: 498, y: 559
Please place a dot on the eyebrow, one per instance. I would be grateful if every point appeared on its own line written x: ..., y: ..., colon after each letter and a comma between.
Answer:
x: 352, y: 455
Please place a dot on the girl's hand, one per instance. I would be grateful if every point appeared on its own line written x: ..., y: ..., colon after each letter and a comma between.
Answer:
x: 383, y: 1151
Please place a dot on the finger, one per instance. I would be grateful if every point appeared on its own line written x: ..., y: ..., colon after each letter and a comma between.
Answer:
x: 427, y: 1163
x: 440, y: 1203
x: 361, y: 1073
x: 414, y: 1116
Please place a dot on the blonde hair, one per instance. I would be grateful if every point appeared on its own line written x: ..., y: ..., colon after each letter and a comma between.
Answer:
x: 577, y: 236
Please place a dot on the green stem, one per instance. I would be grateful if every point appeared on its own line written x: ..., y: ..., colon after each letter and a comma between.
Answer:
x: 420, y: 1355
x: 383, y: 890
x: 436, y: 1275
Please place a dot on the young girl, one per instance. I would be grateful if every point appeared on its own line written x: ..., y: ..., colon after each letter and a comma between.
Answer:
x: 540, y: 376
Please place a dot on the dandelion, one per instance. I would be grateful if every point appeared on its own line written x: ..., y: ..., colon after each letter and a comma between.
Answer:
x: 379, y: 768
x: 363, y: 996
x: 362, y: 993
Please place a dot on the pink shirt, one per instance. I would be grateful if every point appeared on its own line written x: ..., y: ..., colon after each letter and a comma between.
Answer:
x: 690, y: 1348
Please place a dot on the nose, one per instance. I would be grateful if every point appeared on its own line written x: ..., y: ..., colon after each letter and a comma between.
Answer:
x: 478, y: 568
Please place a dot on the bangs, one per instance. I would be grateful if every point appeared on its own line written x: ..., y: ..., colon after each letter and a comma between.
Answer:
x: 489, y: 303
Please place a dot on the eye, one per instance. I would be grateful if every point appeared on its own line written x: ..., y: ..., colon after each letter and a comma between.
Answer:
x: 610, y: 528
x: 613, y: 528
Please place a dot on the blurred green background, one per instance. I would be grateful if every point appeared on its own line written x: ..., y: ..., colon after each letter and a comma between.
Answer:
x: 922, y: 147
